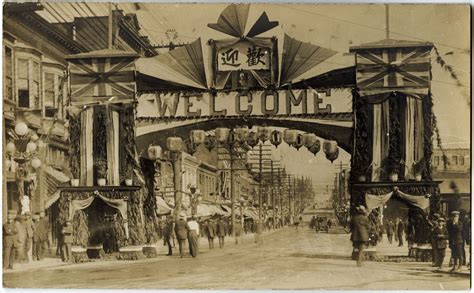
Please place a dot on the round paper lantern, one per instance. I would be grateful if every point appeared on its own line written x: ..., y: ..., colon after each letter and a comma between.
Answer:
x: 289, y: 136
x: 31, y: 147
x: 309, y: 139
x: 174, y: 144
x: 35, y: 163
x: 299, y: 141
x: 210, y: 142
x: 34, y: 137
x: 198, y: 136
x: 252, y: 140
x: 10, y: 147
x: 222, y: 134
x: 314, y: 149
x: 275, y: 139
x: 332, y: 156
x: 21, y: 128
x: 242, y: 133
x: 264, y: 133
x: 330, y: 147
x: 154, y: 152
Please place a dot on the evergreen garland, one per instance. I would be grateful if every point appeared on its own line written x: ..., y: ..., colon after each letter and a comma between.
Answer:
x: 80, y: 229
x: 74, y: 145
x: 447, y: 67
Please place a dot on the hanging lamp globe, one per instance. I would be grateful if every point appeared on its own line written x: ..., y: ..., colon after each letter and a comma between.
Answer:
x: 31, y: 147
x: 276, y: 139
x: 289, y: 136
x: 197, y: 136
x: 330, y: 147
x: 332, y: 156
x: 252, y: 140
x: 34, y: 137
x: 35, y: 163
x: 264, y: 133
x: 10, y: 148
x: 174, y: 144
x: 242, y: 133
x: 154, y: 152
x: 210, y: 142
x: 21, y: 128
x: 309, y: 139
x: 315, y: 148
x: 299, y: 141
x: 222, y: 134
x: 8, y: 164
x: 190, y: 147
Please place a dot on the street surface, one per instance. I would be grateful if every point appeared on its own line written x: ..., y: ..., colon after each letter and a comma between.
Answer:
x: 288, y: 259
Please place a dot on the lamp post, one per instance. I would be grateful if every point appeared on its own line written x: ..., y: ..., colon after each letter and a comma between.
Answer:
x: 22, y: 148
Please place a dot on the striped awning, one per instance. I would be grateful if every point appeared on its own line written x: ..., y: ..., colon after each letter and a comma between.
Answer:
x: 53, y: 179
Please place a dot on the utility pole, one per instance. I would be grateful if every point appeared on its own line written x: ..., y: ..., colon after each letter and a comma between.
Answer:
x: 280, y: 195
x: 387, y: 22
x: 289, y: 198
x: 273, y: 194
x: 294, y: 194
x: 232, y: 191
x: 260, y: 183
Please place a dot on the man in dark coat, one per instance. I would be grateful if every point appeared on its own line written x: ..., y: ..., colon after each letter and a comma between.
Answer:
x: 466, y: 233
x: 221, y: 231
x: 211, y: 228
x: 37, y: 240
x: 181, y: 230
x: 456, y: 240
x: 390, y: 229
x: 440, y: 242
x: 67, y: 241
x: 168, y: 234
x: 360, y: 232
x: 10, y: 233
x: 400, y: 230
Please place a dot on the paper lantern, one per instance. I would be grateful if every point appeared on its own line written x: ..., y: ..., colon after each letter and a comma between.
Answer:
x: 330, y: 147
x: 309, y: 139
x: 174, y: 144
x: 31, y: 147
x: 34, y: 137
x: 242, y: 134
x: 299, y: 141
x: 10, y: 148
x: 264, y: 133
x: 197, y: 136
x: 332, y: 156
x: 289, y: 136
x: 210, y: 142
x: 315, y: 148
x: 21, y: 128
x: 222, y: 134
x: 275, y: 139
x: 35, y: 163
x: 252, y: 139
x: 154, y: 152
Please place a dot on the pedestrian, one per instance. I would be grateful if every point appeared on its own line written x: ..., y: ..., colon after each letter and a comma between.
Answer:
x: 44, y: 230
x: 258, y: 232
x: 466, y: 234
x: 66, y: 233
x: 167, y: 234
x: 456, y: 240
x: 10, y: 233
x: 29, y: 237
x: 37, y: 241
x: 221, y: 231
x: 296, y: 221
x: 211, y: 233
x: 400, y: 229
x: 360, y: 232
x: 440, y: 235
x: 390, y: 229
x: 329, y: 223
x: 181, y: 231
x: 193, y: 234
x: 238, y: 232
x: 21, y: 239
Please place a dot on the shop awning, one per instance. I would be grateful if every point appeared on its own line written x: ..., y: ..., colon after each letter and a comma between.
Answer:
x: 53, y: 180
x: 162, y: 207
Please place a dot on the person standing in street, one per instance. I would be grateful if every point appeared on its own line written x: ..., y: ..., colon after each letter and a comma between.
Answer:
x: 168, y: 234
x: 181, y: 230
x: 440, y: 237
x: 30, y: 228
x: 37, y: 243
x: 221, y: 231
x: 467, y: 236
x: 44, y: 233
x: 360, y: 232
x: 10, y: 233
x: 66, y: 233
x: 400, y: 229
x: 390, y: 229
x: 211, y: 233
x: 456, y: 240
x: 193, y: 234
x: 296, y: 221
x: 21, y: 239
x: 258, y: 232
x: 238, y: 232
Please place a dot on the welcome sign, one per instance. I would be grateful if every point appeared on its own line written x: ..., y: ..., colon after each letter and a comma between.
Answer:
x: 221, y: 104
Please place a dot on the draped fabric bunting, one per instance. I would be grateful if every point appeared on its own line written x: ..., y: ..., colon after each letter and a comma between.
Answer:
x: 113, y: 147
x: 86, y: 147
x: 380, y: 139
x: 419, y: 131
x: 232, y: 20
x: 423, y: 202
x: 374, y: 201
x: 183, y: 65
x: 299, y: 57
x: 413, y: 126
x: 162, y: 206
x: 120, y: 204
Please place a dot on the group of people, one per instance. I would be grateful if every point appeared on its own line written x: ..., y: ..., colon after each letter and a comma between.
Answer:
x: 25, y: 238
x: 320, y: 223
x: 393, y: 229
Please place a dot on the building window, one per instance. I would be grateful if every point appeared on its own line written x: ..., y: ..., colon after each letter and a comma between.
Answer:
x: 50, y: 95
x: 455, y: 160
x: 436, y: 161
x: 23, y: 85
x: 35, y: 85
x: 461, y: 160
x: 8, y: 73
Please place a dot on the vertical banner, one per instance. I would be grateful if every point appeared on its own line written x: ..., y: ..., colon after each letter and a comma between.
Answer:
x: 113, y: 160
x: 409, y: 136
x: 419, y: 130
x: 86, y: 147
x: 376, y: 141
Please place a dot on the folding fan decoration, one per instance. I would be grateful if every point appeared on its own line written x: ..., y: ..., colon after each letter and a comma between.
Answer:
x: 184, y: 65
x: 299, y: 57
x: 232, y: 20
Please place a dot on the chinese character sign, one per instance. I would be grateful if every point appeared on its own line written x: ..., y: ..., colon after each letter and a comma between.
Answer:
x: 243, y: 56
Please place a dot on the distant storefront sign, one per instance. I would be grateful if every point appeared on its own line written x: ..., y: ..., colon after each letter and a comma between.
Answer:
x: 243, y: 56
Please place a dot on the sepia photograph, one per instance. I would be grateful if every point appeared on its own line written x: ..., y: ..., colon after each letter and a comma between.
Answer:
x: 236, y: 146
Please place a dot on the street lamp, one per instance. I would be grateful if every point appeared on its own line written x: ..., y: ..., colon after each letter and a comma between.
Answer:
x: 22, y: 148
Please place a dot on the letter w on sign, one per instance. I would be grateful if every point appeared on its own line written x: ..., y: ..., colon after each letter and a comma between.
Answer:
x: 102, y: 80
x: 384, y: 70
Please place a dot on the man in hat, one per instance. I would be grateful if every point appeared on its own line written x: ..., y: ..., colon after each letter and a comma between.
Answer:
x: 400, y: 230
x: 44, y: 233
x: 29, y: 236
x: 221, y: 231
x: 180, y: 229
x: 440, y: 237
x: 21, y: 239
x: 168, y: 234
x: 390, y: 229
x: 455, y: 229
x: 211, y: 232
x: 258, y: 232
x: 360, y: 232
x: 10, y: 233
x: 193, y: 234
x: 67, y: 241
x: 37, y: 242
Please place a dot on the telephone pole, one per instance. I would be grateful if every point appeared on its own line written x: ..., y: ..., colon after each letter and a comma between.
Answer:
x: 260, y: 182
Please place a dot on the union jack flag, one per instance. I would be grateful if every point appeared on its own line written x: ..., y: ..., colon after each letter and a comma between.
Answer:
x: 394, y: 69
x: 110, y: 80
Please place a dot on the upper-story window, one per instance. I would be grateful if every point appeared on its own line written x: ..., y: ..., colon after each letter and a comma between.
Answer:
x: 455, y: 160
x: 8, y: 73
x: 461, y: 160
x: 436, y: 161
x: 23, y: 83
